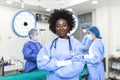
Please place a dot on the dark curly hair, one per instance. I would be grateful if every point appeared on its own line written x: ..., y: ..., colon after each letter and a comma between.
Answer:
x: 61, y: 13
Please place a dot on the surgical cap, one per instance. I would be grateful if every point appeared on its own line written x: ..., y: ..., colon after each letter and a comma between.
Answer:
x: 95, y: 31
x: 85, y: 25
x: 32, y: 32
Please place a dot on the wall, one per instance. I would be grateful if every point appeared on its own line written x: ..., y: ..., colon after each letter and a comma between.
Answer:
x: 46, y: 35
x: 10, y: 44
x: 8, y: 41
x: 101, y: 22
x: 115, y: 24
x: 107, y: 19
x: 84, y: 18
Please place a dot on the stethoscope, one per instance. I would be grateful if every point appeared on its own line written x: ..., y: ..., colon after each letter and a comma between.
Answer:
x: 53, y: 45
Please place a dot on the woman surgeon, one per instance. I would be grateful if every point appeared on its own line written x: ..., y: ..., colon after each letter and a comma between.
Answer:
x: 60, y: 56
x: 95, y: 56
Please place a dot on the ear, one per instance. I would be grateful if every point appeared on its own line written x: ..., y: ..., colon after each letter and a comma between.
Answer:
x: 30, y: 36
x: 94, y: 36
x: 68, y: 29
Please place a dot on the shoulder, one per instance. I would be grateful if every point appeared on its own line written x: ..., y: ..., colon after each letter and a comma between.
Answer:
x: 49, y: 43
x: 86, y: 36
x: 28, y: 43
x: 39, y: 43
x: 31, y: 44
x: 75, y: 41
x: 99, y: 43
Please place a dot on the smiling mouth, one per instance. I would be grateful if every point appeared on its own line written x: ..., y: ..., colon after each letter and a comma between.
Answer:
x: 62, y: 32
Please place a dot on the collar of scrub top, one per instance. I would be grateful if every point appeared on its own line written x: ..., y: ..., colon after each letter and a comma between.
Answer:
x: 70, y: 46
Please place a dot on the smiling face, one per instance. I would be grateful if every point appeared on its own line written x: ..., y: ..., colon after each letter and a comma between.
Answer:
x: 62, y: 28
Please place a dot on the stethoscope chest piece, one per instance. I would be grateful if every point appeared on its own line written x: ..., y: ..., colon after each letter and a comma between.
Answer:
x: 71, y: 53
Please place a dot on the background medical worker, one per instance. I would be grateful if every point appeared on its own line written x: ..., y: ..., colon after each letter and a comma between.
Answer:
x: 59, y: 56
x: 86, y: 41
x: 30, y: 50
x: 96, y: 55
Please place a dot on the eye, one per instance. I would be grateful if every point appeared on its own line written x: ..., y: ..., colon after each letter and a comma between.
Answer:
x: 64, y: 25
x: 57, y: 26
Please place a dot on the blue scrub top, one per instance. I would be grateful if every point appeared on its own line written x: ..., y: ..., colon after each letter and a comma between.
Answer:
x: 86, y: 42
x: 30, y: 51
x: 47, y: 59
x: 95, y: 64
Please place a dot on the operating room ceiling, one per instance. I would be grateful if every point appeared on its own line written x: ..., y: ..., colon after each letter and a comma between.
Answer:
x: 79, y: 6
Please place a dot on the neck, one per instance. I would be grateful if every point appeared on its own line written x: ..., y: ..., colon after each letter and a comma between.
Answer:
x: 65, y: 37
x: 95, y: 38
x: 32, y: 40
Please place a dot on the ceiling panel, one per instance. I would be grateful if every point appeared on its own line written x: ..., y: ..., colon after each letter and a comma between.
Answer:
x: 79, y: 8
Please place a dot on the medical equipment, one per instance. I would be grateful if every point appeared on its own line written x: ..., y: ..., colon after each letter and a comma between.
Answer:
x: 22, y: 22
x: 35, y: 75
x: 77, y: 24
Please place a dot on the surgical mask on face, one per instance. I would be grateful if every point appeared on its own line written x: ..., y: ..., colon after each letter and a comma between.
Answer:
x: 90, y: 36
x: 36, y: 38
x: 84, y: 31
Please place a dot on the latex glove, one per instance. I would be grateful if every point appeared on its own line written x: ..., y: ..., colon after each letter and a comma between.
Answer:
x: 88, y: 56
x: 45, y: 57
x: 64, y: 63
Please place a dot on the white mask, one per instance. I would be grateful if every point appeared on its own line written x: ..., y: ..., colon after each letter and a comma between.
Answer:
x: 90, y: 36
x: 36, y: 38
x: 84, y: 31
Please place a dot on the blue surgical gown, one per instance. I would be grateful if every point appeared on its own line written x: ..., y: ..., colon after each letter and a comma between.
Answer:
x: 86, y: 42
x: 95, y: 64
x: 61, y: 52
x: 30, y: 51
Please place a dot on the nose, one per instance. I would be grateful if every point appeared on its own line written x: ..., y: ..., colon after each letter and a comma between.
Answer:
x: 61, y: 27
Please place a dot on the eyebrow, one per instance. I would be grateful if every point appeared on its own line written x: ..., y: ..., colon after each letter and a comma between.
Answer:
x: 61, y: 24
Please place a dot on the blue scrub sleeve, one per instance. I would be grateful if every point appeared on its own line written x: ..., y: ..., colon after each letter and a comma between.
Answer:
x: 71, y: 70
x: 86, y: 44
x: 44, y: 62
x: 28, y: 54
x: 75, y: 68
x: 78, y: 55
x: 98, y: 51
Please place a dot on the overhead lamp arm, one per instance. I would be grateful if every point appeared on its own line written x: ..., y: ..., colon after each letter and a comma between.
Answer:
x: 22, y: 3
